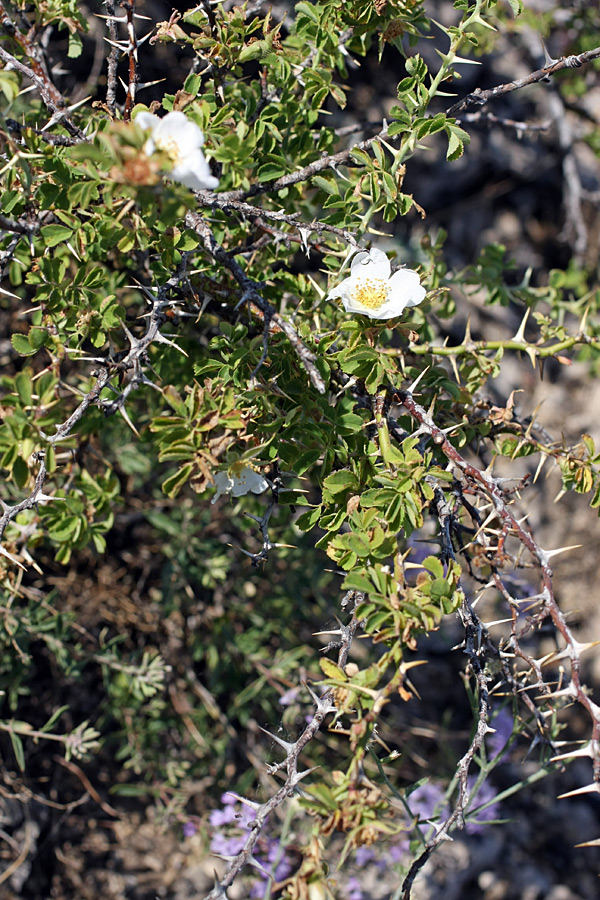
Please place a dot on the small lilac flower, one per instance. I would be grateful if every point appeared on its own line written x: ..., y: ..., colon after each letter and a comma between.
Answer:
x: 503, y: 728
x: 398, y: 851
x: 274, y: 856
x: 425, y: 802
x: 364, y: 855
x: 485, y: 793
x: 189, y: 829
x: 219, y: 817
x: 257, y: 890
x: 353, y: 885
x: 245, y: 817
x: 290, y: 696
x: 227, y: 846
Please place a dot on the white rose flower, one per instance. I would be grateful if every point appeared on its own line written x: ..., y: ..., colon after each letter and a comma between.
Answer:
x: 373, y: 291
x: 181, y: 140
x: 245, y: 482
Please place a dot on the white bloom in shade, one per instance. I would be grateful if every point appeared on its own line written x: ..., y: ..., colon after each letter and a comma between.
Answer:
x: 181, y: 140
x: 245, y: 482
x: 373, y: 291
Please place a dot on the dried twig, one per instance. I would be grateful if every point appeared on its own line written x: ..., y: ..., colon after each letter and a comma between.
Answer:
x: 263, y: 521
x: 488, y: 118
x: 491, y: 488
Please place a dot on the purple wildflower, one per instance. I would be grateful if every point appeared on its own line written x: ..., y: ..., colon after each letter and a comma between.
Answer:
x: 485, y: 793
x: 219, y: 817
x: 353, y: 885
x: 236, y: 818
x: 274, y: 857
x: 426, y: 802
x: 189, y: 829
x: 398, y: 850
x: 503, y: 727
x: 364, y: 855
x: 290, y: 696
x: 227, y: 846
x: 257, y: 890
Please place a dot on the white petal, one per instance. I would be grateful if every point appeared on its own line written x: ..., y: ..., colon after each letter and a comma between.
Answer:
x: 194, y: 172
x: 373, y: 263
x: 388, y: 310
x: 178, y: 127
x: 405, y: 287
x: 223, y: 484
x: 248, y: 480
x: 342, y: 288
x: 149, y: 147
x: 147, y: 121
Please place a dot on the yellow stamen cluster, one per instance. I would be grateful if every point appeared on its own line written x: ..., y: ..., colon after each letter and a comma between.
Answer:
x: 370, y: 292
x: 169, y: 146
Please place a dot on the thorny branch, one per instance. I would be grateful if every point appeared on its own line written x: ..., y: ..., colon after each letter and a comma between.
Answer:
x: 132, y: 52
x: 220, y: 201
x: 574, y: 229
x: 324, y: 706
x: 252, y: 295
x: 113, y: 56
x: 471, y: 347
x: 38, y: 74
x: 491, y: 487
x: 488, y: 118
x: 343, y: 157
x: 216, y: 70
x: 263, y: 522
x: 483, y: 483
x: 328, y: 161
x: 478, y: 98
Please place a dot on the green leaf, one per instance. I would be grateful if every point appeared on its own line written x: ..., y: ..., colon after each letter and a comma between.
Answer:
x: 129, y: 790
x: 55, y: 234
x: 308, y: 520
x: 20, y: 471
x: 172, y: 485
x: 22, y: 345
x: 326, y: 184
x: 17, y: 745
x: 332, y: 670
x: 308, y: 9
x: 457, y: 138
x: 271, y: 171
x: 24, y: 388
x: 75, y: 48
x: 339, y: 482
x: 357, y: 582
x: 55, y: 715
x: 306, y: 461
